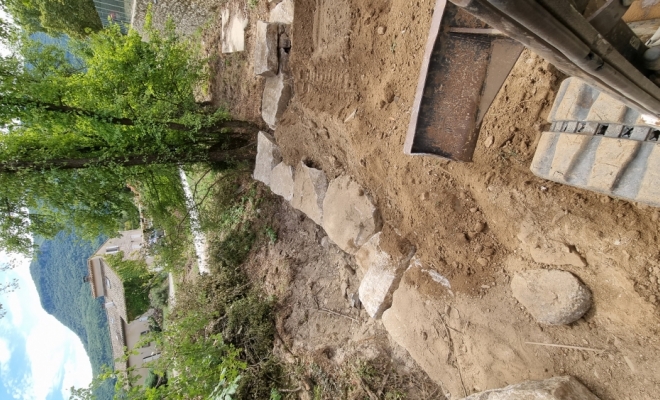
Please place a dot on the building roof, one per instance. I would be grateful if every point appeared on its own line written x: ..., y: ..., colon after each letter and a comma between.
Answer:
x: 90, y: 273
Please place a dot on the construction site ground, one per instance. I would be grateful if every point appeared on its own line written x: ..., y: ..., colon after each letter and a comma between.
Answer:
x: 355, y: 65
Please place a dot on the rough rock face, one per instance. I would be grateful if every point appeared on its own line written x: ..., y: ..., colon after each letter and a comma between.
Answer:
x: 557, y: 388
x: 268, y: 156
x: 349, y: 217
x: 282, y: 13
x: 277, y: 93
x: 266, y: 49
x: 385, y: 258
x: 309, y: 188
x: 551, y: 296
x: 281, y: 181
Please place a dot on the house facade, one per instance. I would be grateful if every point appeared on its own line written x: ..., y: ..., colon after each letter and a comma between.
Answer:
x: 124, y: 335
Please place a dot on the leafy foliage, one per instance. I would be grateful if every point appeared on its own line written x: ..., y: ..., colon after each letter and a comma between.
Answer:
x: 75, y: 126
x: 137, y: 280
x: 73, y: 17
x: 58, y: 272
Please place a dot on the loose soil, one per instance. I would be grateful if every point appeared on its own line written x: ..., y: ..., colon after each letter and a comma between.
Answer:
x: 354, y: 90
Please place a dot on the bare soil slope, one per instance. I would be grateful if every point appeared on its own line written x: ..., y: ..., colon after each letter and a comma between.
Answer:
x: 355, y: 65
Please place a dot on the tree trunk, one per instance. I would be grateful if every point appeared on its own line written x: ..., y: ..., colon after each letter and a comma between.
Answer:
x: 246, y: 127
x: 227, y: 157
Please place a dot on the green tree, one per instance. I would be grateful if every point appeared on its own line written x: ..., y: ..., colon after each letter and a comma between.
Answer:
x: 74, y: 127
x: 75, y: 18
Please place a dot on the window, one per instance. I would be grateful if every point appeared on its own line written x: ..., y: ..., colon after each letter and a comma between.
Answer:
x: 111, y: 249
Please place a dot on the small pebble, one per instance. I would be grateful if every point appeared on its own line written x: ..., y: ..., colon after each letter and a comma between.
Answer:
x: 380, y: 30
x: 479, y: 227
x: 482, y: 261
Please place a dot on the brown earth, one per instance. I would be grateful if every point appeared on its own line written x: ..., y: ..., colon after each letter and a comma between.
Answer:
x: 353, y: 95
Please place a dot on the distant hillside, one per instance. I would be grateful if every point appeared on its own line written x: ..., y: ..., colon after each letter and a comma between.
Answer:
x: 58, y: 272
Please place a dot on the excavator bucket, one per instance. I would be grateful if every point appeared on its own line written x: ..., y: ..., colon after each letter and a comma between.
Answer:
x: 465, y: 63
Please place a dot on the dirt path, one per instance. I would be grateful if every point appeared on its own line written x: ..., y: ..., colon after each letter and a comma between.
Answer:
x: 355, y: 66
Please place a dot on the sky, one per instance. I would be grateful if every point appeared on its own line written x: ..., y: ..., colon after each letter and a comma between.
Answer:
x: 39, y: 357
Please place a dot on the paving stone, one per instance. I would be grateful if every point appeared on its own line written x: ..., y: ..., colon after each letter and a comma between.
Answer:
x: 383, y: 259
x: 309, y: 188
x: 281, y: 181
x: 552, y: 296
x: 557, y: 388
x: 266, y: 57
x: 350, y: 218
x: 276, y: 96
x: 268, y: 156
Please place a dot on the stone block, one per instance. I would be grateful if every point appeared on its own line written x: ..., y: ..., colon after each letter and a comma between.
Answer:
x: 276, y: 96
x: 266, y: 57
x: 350, y: 218
x: 233, y: 31
x: 268, y: 156
x: 383, y: 259
x: 309, y: 188
x: 281, y: 181
x: 557, y: 388
x: 552, y: 296
x: 283, y: 12
x: 413, y: 323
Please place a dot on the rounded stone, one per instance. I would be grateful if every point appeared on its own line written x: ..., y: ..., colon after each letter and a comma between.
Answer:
x: 552, y: 296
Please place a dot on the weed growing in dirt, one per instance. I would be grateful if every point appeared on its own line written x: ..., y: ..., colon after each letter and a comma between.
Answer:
x: 271, y: 234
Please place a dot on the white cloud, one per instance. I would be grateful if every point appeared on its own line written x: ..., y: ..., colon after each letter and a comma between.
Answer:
x: 5, y: 356
x: 54, y: 354
x: 74, y: 375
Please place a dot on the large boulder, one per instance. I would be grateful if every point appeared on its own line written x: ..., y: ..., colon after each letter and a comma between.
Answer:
x: 268, y: 156
x: 552, y: 296
x: 266, y: 49
x: 281, y: 181
x: 276, y: 96
x: 557, y: 388
x: 309, y: 188
x: 384, y: 258
x: 350, y: 218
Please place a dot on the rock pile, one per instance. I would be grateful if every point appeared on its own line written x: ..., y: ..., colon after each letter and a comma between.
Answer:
x: 349, y: 217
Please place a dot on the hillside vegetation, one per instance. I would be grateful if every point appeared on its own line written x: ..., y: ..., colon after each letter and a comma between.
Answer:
x: 58, y: 271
